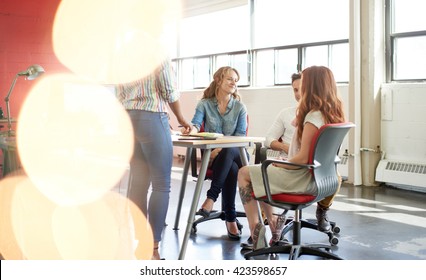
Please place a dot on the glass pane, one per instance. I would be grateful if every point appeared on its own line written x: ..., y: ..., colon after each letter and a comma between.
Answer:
x: 286, y: 65
x: 201, y: 72
x: 218, y: 32
x: 409, y: 15
x: 241, y: 64
x: 280, y: 23
x: 340, y: 62
x: 187, y: 74
x: 265, y: 68
x: 410, y: 58
x: 317, y: 55
x: 222, y: 60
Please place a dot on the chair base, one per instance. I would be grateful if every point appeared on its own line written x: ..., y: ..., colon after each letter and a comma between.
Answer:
x: 295, y: 251
x: 214, y: 214
x: 312, y: 224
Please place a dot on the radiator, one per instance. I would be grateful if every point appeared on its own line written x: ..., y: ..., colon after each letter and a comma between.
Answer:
x: 402, y: 174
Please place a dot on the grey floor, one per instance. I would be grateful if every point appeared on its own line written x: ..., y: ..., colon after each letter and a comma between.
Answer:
x: 377, y: 223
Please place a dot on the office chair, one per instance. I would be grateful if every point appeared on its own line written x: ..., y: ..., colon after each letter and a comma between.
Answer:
x: 216, y: 214
x: 323, y: 160
x: 265, y: 153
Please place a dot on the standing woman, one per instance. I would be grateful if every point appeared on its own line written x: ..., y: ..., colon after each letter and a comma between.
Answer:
x: 319, y: 105
x: 221, y: 111
x: 146, y: 102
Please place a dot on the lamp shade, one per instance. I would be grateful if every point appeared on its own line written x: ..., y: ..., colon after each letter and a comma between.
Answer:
x: 32, y: 72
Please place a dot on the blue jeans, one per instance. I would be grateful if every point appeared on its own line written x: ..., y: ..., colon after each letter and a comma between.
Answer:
x: 151, y: 164
x: 224, y: 179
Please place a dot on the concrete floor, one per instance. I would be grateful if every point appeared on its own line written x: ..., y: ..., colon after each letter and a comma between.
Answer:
x: 377, y: 223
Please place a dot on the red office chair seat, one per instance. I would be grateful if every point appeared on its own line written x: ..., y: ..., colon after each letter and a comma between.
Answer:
x: 323, y: 161
x: 292, y: 198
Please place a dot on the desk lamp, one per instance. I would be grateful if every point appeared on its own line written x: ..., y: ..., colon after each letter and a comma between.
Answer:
x: 31, y: 73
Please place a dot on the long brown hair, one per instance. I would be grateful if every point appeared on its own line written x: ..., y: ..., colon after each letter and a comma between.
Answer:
x: 218, y: 77
x: 319, y: 93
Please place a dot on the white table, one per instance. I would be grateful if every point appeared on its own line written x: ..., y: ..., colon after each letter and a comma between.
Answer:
x: 241, y: 142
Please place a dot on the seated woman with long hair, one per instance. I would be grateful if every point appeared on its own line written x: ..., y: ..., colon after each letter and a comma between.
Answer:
x: 319, y: 105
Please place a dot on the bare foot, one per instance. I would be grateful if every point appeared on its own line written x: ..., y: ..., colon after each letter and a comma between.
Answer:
x: 208, y: 204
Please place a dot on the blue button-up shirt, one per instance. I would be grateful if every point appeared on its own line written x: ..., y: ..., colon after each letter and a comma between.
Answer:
x: 233, y: 122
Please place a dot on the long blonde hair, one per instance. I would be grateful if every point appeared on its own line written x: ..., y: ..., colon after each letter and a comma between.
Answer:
x: 218, y: 77
x: 319, y: 93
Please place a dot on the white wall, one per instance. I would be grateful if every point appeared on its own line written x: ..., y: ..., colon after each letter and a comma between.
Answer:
x: 403, y: 122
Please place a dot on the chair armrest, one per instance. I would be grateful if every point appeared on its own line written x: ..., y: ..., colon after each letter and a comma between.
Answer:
x: 337, y: 160
x: 258, y: 153
x: 264, y: 169
x: 267, y: 162
x: 263, y: 154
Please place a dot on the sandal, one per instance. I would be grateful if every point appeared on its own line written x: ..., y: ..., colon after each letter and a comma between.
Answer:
x: 259, y: 237
x: 276, y: 235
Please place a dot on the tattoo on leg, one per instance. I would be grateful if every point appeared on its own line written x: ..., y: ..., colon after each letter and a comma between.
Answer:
x: 246, y: 193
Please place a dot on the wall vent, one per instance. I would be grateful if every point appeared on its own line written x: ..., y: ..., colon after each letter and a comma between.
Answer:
x: 406, y: 167
x: 401, y: 173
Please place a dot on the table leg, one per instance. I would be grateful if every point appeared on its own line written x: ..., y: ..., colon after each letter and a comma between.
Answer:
x: 195, y: 199
x: 183, y: 186
x: 243, y: 156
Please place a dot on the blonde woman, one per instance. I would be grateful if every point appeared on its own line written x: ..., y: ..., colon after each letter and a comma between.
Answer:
x: 221, y: 111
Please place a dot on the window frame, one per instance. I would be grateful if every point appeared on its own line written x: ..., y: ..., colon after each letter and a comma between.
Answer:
x: 252, y: 62
x: 390, y: 39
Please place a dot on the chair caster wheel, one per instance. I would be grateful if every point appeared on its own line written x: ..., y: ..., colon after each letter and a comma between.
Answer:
x: 334, y: 240
x: 336, y: 229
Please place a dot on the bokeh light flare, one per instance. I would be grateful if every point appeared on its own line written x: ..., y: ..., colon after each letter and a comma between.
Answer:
x: 74, y: 139
x: 113, y: 41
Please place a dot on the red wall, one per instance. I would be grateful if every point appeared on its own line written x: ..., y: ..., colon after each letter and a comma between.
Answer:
x: 25, y: 39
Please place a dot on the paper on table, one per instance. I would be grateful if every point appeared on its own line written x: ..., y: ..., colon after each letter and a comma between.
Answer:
x: 207, y: 134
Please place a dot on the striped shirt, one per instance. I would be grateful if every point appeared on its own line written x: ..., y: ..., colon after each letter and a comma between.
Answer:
x: 153, y: 92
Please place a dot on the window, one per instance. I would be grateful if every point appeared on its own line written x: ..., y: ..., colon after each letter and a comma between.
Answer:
x: 406, y: 40
x: 222, y: 31
x: 287, y: 64
x: 267, y: 45
x: 317, y: 55
x: 264, y: 68
x: 286, y: 22
x: 217, y: 32
x: 333, y: 56
x: 201, y: 72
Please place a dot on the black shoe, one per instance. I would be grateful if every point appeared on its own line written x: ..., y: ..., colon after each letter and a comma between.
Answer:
x: 322, y: 219
x: 248, y: 245
x: 203, y: 212
x: 233, y: 236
